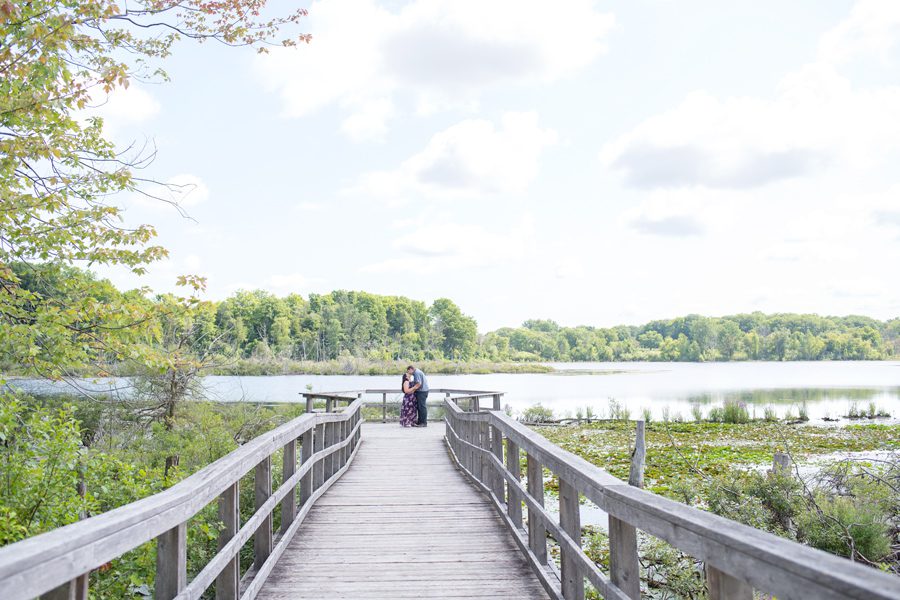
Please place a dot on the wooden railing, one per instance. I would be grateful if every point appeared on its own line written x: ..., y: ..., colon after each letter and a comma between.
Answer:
x: 55, y: 565
x: 738, y: 558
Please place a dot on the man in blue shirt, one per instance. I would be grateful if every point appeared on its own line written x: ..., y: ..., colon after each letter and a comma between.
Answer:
x: 421, y: 395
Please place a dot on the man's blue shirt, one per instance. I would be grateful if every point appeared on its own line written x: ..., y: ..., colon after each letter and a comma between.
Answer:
x: 419, y: 377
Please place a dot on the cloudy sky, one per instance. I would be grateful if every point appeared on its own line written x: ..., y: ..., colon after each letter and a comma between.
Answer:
x: 590, y: 162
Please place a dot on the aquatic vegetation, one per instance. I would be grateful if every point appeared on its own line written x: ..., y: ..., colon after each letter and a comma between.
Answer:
x: 537, y: 414
x: 618, y: 411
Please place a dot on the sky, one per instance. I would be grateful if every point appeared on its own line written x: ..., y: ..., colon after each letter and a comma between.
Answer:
x: 594, y: 163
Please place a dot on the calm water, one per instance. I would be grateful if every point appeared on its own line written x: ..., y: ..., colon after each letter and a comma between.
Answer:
x: 827, y: 388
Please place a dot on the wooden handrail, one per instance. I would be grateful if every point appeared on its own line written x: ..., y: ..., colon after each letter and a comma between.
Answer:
x: 56, y: 562
x: 738, y: 558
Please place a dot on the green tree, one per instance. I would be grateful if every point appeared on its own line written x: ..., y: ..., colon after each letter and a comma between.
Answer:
x: 59, y: 174
x: 457, y: 332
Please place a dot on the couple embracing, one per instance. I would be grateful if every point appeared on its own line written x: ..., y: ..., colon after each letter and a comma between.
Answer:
x: 414, y: 412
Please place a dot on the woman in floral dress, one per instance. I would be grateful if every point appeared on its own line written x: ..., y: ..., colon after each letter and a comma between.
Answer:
x: 408, y: 414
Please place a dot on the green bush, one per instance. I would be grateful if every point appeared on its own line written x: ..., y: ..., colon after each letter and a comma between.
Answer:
x: 735, y: 412
x: 847, y: 526
x: 537, y: 414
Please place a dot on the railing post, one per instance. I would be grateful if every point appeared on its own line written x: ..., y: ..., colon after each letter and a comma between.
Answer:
x: 570, y: 521
x: 329, y: 404
x: 289, y: 503
x: 329, y: 442
x: 310, y: 404
x: 171, y: 562
x: 623, y: 558
x: 484, y: 436
x: 636, y: 473
x: 476, y: 404
x: 624, y: 566
x: 514, y: 495
x: 306, y: 451
x: 497, y: 402
x: 319, y: 467
x: 725, y: 587
x: 228, y: 581
x: 384, y: 408
x: 537, y: 533
x: 262, y: 485
x: 496, y: 476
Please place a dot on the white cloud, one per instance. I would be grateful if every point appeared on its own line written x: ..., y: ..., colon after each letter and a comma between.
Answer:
x: 817, y: 119
x: 432, y: 54
x: 131, y: 104
x: 473, y: 157
x: 443, y: 246
x: 872, y: 29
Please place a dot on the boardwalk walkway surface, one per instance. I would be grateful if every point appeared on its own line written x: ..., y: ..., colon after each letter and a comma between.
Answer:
x: 403, y: 522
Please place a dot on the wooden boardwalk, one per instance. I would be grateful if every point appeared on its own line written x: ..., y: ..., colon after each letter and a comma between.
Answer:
x: 403, y: 522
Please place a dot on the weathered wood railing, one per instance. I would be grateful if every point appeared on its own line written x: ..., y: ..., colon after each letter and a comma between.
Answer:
x: 738, y: 558
x: 56, y: 565
x: 435, y: 399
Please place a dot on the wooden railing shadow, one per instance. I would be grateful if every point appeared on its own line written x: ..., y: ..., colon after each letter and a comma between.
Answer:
x: 738, y: 559
x: 55, y: 565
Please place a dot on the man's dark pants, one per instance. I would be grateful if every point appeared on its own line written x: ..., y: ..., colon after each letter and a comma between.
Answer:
x: 421, y: 408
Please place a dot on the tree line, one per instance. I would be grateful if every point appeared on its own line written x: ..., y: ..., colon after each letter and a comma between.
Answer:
x: 319, y: 327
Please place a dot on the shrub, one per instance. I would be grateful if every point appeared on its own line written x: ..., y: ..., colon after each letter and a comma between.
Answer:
x: 697, y: 413
x: 846, y: 527
x: 735, y: 412
x: 537, y: 414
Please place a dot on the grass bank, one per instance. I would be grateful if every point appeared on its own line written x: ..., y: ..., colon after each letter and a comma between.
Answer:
x: 363, y: 366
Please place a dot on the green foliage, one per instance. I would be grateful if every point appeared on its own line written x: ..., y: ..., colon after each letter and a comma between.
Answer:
x: 40, y: 453
x: 59, y: 466
x: 847, y: 527
x: 537, y: 414
x: 753, y: 336
x: 60, y: 174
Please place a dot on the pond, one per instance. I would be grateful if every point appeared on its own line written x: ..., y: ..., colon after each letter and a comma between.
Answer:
x: 828, y: 389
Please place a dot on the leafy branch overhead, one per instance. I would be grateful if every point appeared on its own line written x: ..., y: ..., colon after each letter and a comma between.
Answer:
x: 60, y: 175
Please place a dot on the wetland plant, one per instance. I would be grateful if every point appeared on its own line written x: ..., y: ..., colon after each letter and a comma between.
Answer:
x: 736, y: 412
x: 645, y: 412
x: 803, y: 412
x: 618, y: 411
x: 697, y: 413
x: 537, y: 414
x: 769, y: 414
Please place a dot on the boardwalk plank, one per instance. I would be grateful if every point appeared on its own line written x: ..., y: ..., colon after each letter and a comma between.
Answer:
x: 402, y: 523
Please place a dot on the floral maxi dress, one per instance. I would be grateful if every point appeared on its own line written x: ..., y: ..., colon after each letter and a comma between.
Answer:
x: 408, y: 411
